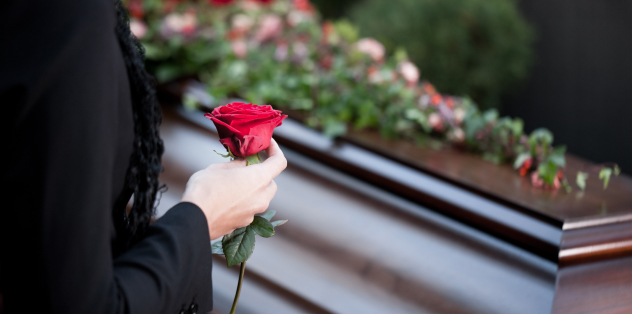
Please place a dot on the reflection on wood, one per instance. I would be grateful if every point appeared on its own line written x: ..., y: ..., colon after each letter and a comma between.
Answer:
x: 352, y: 248
x: 602, y: 287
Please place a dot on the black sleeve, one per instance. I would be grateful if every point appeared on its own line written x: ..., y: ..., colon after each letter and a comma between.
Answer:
x: 60, y: 83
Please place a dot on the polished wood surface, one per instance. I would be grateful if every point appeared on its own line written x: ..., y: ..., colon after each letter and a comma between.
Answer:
x: 603, y: 287
x: 504, y: 184
x: 350, y: 247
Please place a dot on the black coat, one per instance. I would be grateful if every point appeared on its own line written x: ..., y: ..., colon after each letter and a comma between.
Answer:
x: 67, y: 132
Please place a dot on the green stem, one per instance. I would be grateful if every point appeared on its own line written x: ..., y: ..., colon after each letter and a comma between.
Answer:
x: 242, y: 269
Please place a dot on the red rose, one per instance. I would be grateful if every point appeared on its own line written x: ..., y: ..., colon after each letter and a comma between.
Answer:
x: 245, y: 129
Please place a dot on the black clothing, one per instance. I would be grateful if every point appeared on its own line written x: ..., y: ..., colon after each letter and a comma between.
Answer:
x: 68, y: 128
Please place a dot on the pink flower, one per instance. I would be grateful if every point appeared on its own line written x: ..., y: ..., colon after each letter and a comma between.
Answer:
x: 176, y: 23
x: 409, y: 72
x: 536, y: 180
x: 270, y: 27
x: 435, y: 121
x: 371, y: 47
x: 239, y: 48
x: 138, y: 28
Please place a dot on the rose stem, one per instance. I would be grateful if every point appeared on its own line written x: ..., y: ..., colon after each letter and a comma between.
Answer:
x: 242, y: 269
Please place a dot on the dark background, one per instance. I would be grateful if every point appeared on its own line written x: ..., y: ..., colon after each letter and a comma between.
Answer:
x: 581, y: 81
x: 580, y: 86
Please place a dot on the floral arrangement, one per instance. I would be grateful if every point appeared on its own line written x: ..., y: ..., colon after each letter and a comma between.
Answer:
x: 280, y: 52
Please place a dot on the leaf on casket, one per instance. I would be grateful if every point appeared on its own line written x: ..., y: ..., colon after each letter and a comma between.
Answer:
x: 238, y: 245
x: 604, y: 175
x: 521, y: 159
x: 278, y: 222
x: 581, y: 179
x: 268, y: 215
x: 548, y: 172
x: 216, y: 248
x: 557, y: 156
x: 262, y: 227
x: 252, y: 159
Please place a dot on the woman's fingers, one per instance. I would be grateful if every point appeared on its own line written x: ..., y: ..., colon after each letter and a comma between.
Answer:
x: 275, y: 163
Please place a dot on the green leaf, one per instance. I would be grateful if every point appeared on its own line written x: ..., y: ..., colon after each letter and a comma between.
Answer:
x: 268, y: 215
x: 521, y: 159
x: 581, y: 179
x: 617, y: 170
x: 541, y: 135
x: 278, y: 222
x: 547, y: 172
x: 557, y: 156
x: 216, y: 248
x: 604, y: 175
x: 262, y: 227
x: 252, y: 159
x: 238, y: 245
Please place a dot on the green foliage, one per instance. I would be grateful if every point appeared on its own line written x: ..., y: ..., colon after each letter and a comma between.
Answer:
x: 238, y: 246
x: 480, y: 48
x: 581, y: 179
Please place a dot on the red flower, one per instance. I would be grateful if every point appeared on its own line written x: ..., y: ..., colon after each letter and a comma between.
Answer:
x: 436, y: 99
x: 525, y: 167
x: 245, y: 129
x: 136, y: 9
x: 303, y: 5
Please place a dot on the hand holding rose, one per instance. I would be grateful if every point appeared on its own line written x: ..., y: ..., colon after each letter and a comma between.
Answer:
x: 230, y: 194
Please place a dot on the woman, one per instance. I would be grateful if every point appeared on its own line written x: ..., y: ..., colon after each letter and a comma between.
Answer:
x: 81, y: 136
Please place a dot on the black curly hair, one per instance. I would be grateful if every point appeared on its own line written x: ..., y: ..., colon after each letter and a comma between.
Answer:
x: 145, y: 162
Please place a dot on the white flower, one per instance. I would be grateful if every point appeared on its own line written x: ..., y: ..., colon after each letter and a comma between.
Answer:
x: 242, y: 22
x: 459, y: 114
x: 457, y: 135
x: 371, y: 47
x: 138, y: 28
x: 409, y: 72
x: 296, y: 17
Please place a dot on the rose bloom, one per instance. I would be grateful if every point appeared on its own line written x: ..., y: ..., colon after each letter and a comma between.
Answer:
x: 435, y: 121
x: 270, y: 27
x: 409, y: 72
x: 296, y: 17
x: 457, y: 135
x: 245, y: 129
x: 239, y: 48
x: 175, y: 23
x: 525, y: 167
x: 303, y: 5
x: 371, y: 47
x: 459, y: 115
x: 138, y: 28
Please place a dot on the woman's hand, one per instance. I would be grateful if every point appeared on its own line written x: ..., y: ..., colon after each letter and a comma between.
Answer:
x: 230, y: 194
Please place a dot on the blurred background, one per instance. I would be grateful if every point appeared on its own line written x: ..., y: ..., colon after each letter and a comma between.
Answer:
x: 567, y: 66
